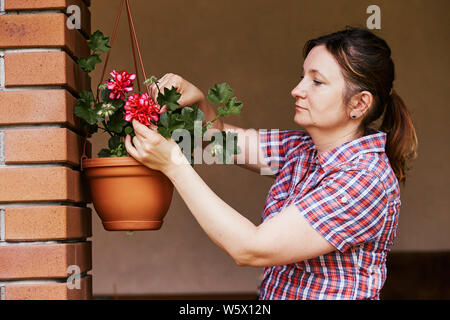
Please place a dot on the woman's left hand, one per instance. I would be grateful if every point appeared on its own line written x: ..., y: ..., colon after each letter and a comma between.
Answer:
x: 152, y: 149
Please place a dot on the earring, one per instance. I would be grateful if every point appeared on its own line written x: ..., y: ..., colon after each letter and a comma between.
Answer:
x: 353, y: 116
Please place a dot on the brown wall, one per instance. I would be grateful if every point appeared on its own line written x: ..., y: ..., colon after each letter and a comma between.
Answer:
x: 256, y: 47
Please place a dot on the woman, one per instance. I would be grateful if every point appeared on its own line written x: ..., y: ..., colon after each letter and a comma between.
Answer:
x: 332, y: 213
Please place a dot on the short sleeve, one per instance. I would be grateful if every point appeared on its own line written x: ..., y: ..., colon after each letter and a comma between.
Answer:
x: 277, y: 144
x: 347, y: 209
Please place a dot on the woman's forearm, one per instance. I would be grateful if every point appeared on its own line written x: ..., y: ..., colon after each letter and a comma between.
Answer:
x: 225, y: 226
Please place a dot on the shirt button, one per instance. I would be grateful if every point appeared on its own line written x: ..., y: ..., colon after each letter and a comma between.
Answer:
x: 344, y: 200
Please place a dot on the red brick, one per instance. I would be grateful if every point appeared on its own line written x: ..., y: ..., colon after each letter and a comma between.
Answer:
x: 37, y: 223
x: 41, y: 184
x: 43, y: 261
x: 39, y: 4
x: 49, y: 291
x: 41, y: 30
x: 38, y: 107
x: 43, y: 145
x: 44, y: 69
x: 18, y: 5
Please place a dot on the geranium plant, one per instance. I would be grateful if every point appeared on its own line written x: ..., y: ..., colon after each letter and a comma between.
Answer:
x: 116, y: 104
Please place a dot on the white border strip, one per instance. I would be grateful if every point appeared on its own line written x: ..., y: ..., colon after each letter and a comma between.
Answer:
x: 34, y: 88
x: 2, y: 68
x: 29, y: 243
x: 37, y: 165
x: 28, y: 126
x: 31, y: 50
x: 2, y: 6
x: 41, y: 281
x: 2, y: 224
x: 2, y: 148
x: 2, y: 293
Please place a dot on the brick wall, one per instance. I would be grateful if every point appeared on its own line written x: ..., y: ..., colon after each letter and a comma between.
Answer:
x: 44, y: 220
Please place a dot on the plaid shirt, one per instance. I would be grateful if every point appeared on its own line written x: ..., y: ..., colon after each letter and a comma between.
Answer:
x: 349, y: 195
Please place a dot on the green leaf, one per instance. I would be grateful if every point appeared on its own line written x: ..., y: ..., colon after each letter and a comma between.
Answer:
x: 129, y: 130
x: 197, y: 114
x: 189, y: 115
x: 105, y: 94
x: 119, y: 151
x: 164, y: 119
x: 89, y: 128
x: 92, y: 128
x: 114, y: 142
x: 104, y: 153
x: 85, y: 110
x: 165, y: 132
x: 169, y: 98
x: 220, y: 94
x: 87, y: 97
x: 99, y: 42
x: 176, y: 122
x: 117, y: 122
x: 233, y: 106
x: 117, y: 103
x: 88, y: 64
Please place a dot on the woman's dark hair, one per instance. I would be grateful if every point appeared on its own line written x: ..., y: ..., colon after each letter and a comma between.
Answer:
x: 366, y: 64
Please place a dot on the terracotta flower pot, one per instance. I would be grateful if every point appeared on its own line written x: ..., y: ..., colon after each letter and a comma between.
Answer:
x: 126, y: 194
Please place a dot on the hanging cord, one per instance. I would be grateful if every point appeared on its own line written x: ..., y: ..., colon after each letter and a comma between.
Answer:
x: 133, y: 50
x: 134, y: 41
x: 131, y: 23
x: 113, y: 37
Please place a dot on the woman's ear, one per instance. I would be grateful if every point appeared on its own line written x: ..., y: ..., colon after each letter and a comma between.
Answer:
x: 360, y: 104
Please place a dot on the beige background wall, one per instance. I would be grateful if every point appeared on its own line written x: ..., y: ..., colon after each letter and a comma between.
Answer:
x: 255, y: 46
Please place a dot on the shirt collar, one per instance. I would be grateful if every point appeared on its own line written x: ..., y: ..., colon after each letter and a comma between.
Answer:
x: 374, y: 142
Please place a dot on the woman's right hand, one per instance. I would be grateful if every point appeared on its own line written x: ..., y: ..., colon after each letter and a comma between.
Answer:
x: 190, y: 94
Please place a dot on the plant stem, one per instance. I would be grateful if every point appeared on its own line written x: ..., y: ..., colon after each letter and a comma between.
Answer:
x: 216, y: 118
x: 212, y: 121
x: 106, y: 128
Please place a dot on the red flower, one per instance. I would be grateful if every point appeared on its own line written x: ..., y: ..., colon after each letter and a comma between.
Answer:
x: 143, y: 109
x: 122, y: 82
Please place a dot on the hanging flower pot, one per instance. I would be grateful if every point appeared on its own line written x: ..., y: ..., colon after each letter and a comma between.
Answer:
x: 127, y: 195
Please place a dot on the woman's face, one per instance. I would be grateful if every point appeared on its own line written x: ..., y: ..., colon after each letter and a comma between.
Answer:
x: 319, y: 94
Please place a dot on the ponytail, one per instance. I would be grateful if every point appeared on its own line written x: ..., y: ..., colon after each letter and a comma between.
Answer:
x: 402, y: 143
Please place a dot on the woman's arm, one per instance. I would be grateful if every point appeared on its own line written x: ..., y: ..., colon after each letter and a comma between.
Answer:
x: 283, y: 239
x: 224, y: 225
